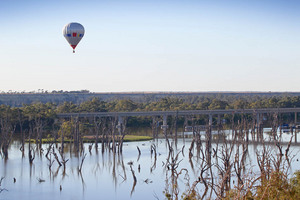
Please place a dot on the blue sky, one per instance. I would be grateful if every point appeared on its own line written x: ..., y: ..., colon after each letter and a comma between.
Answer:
x: 212, y: 45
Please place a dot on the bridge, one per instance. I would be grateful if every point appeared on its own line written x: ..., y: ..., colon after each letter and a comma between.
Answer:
x: 258, y: 113
x: 180, y: 112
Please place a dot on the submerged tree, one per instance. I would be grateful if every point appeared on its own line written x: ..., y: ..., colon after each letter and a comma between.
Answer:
x: 8, y: 127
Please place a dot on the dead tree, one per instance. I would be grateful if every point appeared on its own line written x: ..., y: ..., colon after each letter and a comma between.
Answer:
x: 63, y: 160
x: 48, y: 156
x: 39, y: 127
x: 139, y: 153
x: 76, y: 137
x: 153, y: 151
x: 21, y: 120
x: 225, y: 169
x: 154, y: 126
x: 31, y: 153
x: 81, y: 163
x: 97, y: 126
x: 104, y: 137
x: 172, y: 165
x: 113, y: 133
x: 123, y: 133
x: 175, y: 125
x: 134, y: 180
x: 264, y: 163
x: 7, y: 128
x: 56, y: 157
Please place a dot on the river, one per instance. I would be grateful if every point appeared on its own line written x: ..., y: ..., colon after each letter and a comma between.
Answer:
x: 109, y: 176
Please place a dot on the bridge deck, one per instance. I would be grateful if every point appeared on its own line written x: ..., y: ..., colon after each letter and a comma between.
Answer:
x: 181, y: 112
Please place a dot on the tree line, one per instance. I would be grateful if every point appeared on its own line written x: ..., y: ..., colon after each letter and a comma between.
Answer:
x: 39, y: 119
x: 174, y: 103
x: 17, y: 99
x: 29, y: 114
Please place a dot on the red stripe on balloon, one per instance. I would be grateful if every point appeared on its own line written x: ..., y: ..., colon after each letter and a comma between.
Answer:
x: 73, y: 46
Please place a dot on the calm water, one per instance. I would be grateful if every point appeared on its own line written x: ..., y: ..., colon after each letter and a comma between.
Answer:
x: 105, y: 176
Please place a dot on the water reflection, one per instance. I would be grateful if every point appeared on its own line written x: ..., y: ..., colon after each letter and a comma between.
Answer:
x: 145, y: 170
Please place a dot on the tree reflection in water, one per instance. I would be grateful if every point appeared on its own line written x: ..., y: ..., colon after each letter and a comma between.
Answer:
x: 204, y: 169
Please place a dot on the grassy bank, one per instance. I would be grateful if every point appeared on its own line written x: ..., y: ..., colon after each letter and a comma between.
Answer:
x: 91, y: 139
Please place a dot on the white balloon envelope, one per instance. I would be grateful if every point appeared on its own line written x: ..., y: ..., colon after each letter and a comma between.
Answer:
x: 73, y: 32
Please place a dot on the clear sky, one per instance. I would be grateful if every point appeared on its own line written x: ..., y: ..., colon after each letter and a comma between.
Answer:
x: 151, y: 45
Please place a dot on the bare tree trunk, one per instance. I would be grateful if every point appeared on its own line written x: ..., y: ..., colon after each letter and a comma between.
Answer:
x: 123, y: 133
x: 7, y: 130
x: 21, y: 122
x: 97, y: 124
x: 39, y: 126
x: 31, y: 154
x: 76, y: 134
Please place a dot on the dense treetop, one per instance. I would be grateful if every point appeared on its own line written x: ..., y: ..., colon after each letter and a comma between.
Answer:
x: 162, y: 104
x: 45, y: 113
x: 17, y: 99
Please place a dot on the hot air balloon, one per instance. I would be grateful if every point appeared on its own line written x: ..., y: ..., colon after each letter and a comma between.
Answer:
x: 73, y: 32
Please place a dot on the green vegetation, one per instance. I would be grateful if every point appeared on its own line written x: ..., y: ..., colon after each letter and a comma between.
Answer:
x: 39, y: 121
x: 89, y: 139
x: 188, y: 103
x: 131, y: 138
x: 278, y: 186
x: 43, y: 115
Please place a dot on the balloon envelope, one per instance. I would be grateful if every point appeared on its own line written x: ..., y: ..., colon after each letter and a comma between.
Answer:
x: 73, y: 32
